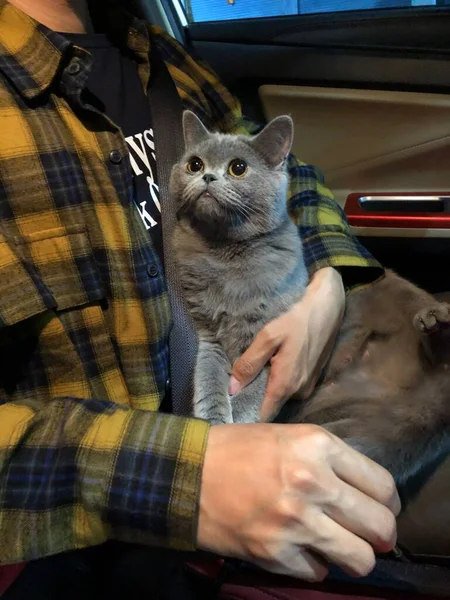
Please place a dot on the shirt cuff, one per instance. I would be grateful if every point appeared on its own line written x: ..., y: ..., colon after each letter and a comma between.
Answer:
x: 336, y: 249
x: 150, y: 491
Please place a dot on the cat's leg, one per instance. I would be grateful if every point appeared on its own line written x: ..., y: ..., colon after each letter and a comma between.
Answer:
x: 432, y: 318
x: 415, y: 303
x: 212, y: 376
x: 247, y: 403
x: 433, y: 323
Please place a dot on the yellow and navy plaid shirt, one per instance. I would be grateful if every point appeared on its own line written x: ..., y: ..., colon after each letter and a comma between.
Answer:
x: 84, y: 312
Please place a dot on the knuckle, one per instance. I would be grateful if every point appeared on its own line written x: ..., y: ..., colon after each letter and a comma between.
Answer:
x: 288, y: 511
x: 245, y: 368
x: 319, y: 439
x: 303, y: 479
x: 269, y: 336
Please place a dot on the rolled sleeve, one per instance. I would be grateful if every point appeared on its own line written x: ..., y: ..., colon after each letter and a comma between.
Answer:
x: 79, y: 472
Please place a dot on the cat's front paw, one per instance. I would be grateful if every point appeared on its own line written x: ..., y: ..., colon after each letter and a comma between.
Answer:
x: 432, y: 319
x: 220, y: 420
x: 215, y: 415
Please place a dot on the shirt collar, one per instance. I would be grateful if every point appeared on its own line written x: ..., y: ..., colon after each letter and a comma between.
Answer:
x: 31, y: 54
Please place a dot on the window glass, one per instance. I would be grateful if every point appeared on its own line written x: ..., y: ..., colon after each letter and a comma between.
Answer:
x: 223, y: 10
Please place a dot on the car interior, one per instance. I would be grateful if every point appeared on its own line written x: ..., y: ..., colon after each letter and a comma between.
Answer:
x: 367, y: 83
x: 369, y: 92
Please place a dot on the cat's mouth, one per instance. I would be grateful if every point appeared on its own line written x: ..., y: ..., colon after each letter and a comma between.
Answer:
x: 204, y: 206
x: 206, y: 195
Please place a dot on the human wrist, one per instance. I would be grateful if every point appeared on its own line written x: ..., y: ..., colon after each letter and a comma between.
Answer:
x: 228, y: 488
x: 327, y: 280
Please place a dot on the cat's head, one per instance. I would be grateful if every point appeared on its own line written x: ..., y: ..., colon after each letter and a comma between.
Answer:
x: 232, y: 187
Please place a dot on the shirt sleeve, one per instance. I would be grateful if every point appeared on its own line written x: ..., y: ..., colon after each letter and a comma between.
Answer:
x: 322, y: 224
x: 74, y: 473
x: 324, y: 229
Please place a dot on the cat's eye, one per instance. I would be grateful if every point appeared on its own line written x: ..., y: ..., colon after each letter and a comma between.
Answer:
x: 195, y: 165
x: 237, y: 167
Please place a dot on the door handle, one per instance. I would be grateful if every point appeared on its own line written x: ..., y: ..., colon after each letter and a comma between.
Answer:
x: 423, y: 210
x: 405, y: 204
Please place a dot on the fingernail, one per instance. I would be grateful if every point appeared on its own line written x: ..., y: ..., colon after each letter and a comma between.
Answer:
x: 235, y: 386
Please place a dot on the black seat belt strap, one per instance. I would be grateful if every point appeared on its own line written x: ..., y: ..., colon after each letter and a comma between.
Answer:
x: 167, y: 112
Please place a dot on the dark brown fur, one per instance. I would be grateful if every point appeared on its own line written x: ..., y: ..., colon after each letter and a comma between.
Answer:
x: 386, y: 389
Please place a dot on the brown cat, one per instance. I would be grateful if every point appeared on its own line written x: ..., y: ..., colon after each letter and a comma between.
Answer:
x: 386, y: 389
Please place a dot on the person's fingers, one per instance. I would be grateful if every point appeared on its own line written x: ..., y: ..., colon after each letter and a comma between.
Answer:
x: 298, y: 563
x: 284, y: 381
x: 365, y: 475
x: 365, y: 517
x: 252, y: 362
x: 340, y: 547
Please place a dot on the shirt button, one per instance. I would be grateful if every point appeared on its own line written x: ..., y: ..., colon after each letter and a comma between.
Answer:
x: 74, y: 67
x: 168, y: 383
x: 152, y: 270
x: 115, y: 157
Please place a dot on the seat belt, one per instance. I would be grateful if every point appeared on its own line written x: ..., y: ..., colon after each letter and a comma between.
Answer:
x: 167, y: 110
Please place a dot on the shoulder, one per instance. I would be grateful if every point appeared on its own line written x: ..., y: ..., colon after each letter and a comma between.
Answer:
x: 199, y: 87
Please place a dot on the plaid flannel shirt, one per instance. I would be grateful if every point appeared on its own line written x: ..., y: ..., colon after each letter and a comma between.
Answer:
x: 85, y: 455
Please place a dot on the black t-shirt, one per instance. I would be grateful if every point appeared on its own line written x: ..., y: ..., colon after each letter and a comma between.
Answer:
x: 115, y: 82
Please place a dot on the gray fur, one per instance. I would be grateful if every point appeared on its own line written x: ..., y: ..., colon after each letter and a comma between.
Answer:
x: 239, y: 254
x: 386, y: 389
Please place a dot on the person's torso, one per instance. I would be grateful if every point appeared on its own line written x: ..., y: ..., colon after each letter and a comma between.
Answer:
x: 78, y: 246
x: 115, y: 88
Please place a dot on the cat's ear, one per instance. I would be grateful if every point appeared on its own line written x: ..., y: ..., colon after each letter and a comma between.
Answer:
x: 275, y: 140
x: 193, y: 128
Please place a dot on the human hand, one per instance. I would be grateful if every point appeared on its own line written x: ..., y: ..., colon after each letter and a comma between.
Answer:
x: 291, y: 498
x: 297, y: 344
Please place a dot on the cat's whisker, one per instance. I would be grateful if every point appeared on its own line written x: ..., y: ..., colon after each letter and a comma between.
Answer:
x: 241, y: 265
x: 240, y: 209
x: 245, y: 209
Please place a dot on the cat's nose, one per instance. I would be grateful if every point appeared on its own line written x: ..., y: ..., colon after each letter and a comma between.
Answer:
x: 209, y: 177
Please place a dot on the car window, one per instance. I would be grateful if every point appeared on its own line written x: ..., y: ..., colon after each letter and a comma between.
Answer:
x: 224, y: 10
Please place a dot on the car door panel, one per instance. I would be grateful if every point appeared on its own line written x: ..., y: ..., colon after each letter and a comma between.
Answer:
x: 369, y: 92
x: 368, y: 140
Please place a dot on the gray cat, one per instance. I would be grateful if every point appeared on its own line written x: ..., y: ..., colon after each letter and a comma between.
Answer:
x: 386, y: 389
x: 239, y: 254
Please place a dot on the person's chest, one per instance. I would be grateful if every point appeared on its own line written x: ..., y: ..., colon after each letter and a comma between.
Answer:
x: 67, y: 215
x: 115, y: 88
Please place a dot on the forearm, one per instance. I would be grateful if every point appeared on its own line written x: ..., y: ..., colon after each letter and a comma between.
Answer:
x: 324, y: 303
x: 75, y: 473
x: 323, y: 227
x: 327, y: 280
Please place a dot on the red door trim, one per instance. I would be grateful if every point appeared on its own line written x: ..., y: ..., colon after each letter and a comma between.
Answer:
x: 359, y: 217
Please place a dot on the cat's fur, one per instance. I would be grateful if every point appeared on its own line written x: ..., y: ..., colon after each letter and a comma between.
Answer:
x: 240, y: 256
x: 386, y: 390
